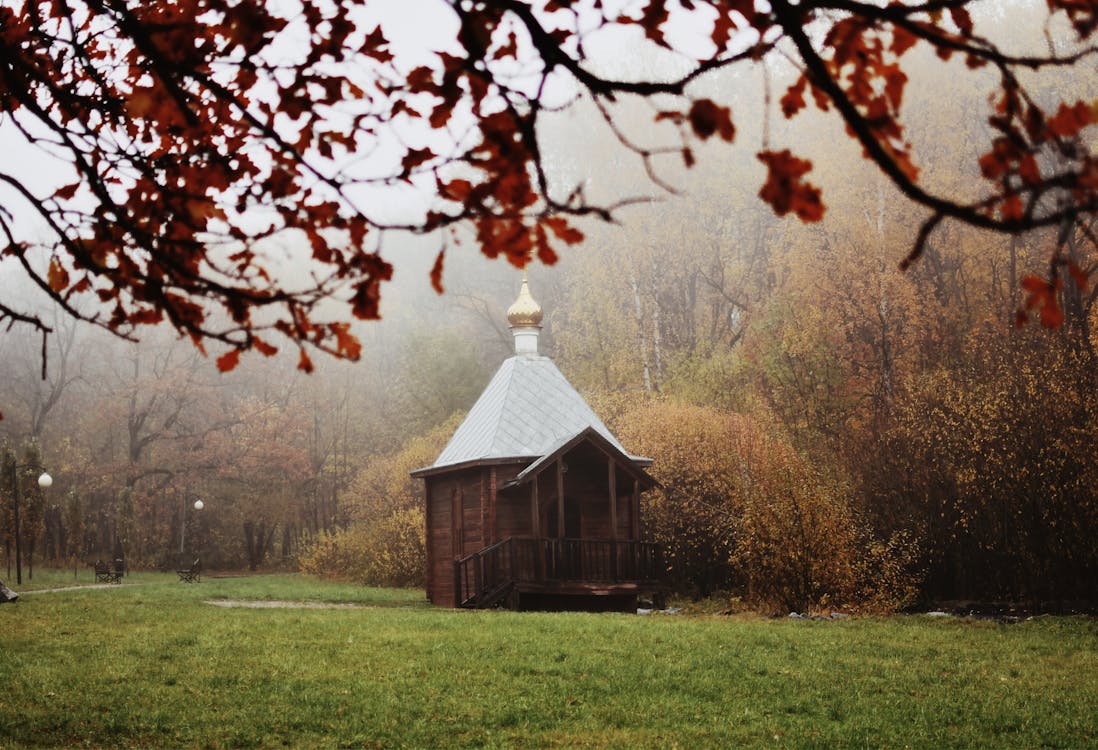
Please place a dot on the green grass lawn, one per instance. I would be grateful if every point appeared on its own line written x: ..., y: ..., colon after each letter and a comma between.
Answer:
x: 155, y: 665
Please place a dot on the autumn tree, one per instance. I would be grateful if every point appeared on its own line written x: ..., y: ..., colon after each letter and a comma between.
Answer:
x: 7, y: 503
x: 271, y: 432
x: 73, y: 525
x: 199, y: 139
x: 39, y: 401
x: 152, y: 421
x: 991, y: 460
x: 24, y: 470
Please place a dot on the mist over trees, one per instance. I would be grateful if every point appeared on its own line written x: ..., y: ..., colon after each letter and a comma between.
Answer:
x: 829, y: 430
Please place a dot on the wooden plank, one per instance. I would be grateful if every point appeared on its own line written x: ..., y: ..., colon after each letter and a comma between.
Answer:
x: 472, y: 536
x: 442, y: 541
x: 492, y: 493
x: 428, y: 513
x: 484, y: 530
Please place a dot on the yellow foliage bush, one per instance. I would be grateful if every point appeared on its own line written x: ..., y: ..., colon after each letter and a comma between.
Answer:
x: 740, y: 508
x: 389, y: 552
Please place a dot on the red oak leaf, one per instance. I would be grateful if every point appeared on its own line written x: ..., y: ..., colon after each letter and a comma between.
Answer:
x: 563, y: 230
x: 784, y: 188
x: 708, y: 118
x: 347, y: 344
x: 902, y: 40
x: 793, y: 100
x: 267, y: 350
x: 375, y: 45
x: 57, y: 276
x: 436, y: 272
x: 655, y: 15
x: 229, y: 360
x: 962, y: 19
x: 414, y: 158
x: 1041, y: 294
x: 304, y: 363
x: 1070, y: 120
x: 1011, y: 207
x: 66, y: 192
x: 546, y: 254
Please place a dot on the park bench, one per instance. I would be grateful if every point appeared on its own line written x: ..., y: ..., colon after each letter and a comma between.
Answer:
x: 192, y: 574
x: 105, y: 573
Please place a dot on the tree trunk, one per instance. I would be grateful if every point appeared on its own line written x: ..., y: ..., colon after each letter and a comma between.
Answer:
x: 287, y: 541
x: 249, y: 544
x: 642, y: 343
x: 257, y: 541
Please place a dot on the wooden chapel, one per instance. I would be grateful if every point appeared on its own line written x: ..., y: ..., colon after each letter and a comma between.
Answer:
x: 533, y: 503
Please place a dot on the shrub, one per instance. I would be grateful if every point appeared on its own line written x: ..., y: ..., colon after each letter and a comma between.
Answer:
x: 389, y: 552
x: 740, y: 508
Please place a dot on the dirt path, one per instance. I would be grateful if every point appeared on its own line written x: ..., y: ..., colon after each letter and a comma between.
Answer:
x: 78, y: 588
x: 276, y: 604
x: 227, y: 603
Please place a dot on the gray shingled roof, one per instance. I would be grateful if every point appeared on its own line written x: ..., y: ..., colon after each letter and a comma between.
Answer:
x: 527, y: 410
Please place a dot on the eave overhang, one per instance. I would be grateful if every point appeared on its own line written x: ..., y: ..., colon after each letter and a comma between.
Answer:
x: 430, y: 471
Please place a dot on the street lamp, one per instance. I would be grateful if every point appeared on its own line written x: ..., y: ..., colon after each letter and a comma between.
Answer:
x: 198, y: 505
x: 44, y: 481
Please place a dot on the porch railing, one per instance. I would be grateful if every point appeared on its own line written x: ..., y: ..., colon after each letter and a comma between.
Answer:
x: 483, y: 578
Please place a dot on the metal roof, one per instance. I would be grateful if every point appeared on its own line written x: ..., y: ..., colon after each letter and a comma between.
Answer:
x: 528, y: 409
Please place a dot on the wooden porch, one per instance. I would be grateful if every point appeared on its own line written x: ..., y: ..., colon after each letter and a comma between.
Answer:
x: 563, y: 567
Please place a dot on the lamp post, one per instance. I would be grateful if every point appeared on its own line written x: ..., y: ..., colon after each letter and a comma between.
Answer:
x: 44, y: 481
x: 198, y: 505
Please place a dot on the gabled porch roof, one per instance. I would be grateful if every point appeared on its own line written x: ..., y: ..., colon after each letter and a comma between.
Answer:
x: 632, y: 465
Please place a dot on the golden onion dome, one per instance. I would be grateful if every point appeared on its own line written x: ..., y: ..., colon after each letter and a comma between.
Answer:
x: 525, y: 312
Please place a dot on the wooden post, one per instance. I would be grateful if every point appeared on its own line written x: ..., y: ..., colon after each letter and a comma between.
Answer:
x: 612, y: 481
x: 535, y: 516
x: 512, y: 572
x: 538, y: 548
x: 478, y: 581
x: 560, y: 499
x: 635, y: 510
x: 457, y: 584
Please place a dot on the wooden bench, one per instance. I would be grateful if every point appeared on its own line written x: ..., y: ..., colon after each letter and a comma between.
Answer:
x: 104, y: 573
x: 192, y: 574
